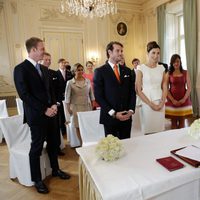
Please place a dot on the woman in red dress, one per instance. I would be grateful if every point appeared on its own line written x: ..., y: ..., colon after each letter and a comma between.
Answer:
x: 89, y: 75
x: 178, y: 105
x: 89, y: 72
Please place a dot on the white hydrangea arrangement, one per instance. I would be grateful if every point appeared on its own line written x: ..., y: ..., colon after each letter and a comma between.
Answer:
x: 194, y: 129
x: 109, y: 148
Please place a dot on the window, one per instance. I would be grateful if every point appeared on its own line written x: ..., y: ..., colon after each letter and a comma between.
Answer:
x: 175, y: 38
x: 181, y: 41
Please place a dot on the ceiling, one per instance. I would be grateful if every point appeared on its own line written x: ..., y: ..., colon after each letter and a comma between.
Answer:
x: 133, y: 1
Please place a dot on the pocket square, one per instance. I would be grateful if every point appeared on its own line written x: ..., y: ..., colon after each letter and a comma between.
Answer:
x: 54, y: 78
x: 126, y: 76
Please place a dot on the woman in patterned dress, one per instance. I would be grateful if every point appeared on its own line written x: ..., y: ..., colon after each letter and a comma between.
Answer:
x: 178, y: 105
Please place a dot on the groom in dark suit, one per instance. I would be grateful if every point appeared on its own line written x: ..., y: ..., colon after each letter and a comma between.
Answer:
x: 34, y: 88
x: 114, y: 90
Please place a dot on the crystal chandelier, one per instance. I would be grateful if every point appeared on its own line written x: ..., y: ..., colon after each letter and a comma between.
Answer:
x: 89, y: 8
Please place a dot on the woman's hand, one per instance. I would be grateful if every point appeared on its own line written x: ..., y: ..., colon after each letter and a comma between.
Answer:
x: 93, y: 105
x: 156, y: 107
x: 70, y: 111
x: 175, y: 102
x: 182, y: 101
x: 153, y: 106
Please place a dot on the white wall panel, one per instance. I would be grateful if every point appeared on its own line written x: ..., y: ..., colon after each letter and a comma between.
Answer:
x: 73, y: 38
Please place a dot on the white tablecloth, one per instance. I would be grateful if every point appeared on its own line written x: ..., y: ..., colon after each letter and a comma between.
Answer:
x: 137, y: 175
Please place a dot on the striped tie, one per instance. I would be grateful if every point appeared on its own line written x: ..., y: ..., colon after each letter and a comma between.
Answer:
x: 38, y: 69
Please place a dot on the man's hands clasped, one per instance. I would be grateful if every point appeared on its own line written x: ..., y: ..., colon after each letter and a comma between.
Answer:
x: 124, y: 115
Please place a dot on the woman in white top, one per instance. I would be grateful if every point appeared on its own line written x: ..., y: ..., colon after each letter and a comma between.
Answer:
x: 151, y: 84
x: 78, y: 95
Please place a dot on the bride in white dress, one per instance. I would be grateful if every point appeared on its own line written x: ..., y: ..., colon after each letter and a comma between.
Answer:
x: 151, y: 85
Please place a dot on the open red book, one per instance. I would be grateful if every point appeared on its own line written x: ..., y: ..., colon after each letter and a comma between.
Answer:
x: 194, y: 163
x: 170, y: 163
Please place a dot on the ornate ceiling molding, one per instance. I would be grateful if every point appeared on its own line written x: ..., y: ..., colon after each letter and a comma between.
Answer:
x: 122, y: 17
x: 48, y: 14
x: 53, y: 14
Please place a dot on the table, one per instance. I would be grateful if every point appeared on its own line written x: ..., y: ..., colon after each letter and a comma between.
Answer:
x: 137, y: 175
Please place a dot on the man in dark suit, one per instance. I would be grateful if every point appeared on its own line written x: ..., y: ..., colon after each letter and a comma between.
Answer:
x: 34, y: 88
x: 46, y: 61
x: 63, y: 77
x: 114, y: 90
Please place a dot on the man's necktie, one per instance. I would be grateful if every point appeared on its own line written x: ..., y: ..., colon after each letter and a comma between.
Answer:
x: 116, y: 73
x: 38, y: 69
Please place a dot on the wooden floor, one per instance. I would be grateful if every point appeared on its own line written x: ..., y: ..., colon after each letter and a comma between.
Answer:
x: 59, y: 189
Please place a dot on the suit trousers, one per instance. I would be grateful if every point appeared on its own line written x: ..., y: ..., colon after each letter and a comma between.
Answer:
x: 40, y: 133
x: 122, y: 129
x: 57, y: 130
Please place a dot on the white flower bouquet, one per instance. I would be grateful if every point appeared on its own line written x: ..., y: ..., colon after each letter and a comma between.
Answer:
x: 194, y: 129
x: 109, y: 148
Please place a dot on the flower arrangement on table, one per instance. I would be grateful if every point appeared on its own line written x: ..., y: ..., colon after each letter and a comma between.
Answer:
x: 194, y: 129
x: 109, y: 148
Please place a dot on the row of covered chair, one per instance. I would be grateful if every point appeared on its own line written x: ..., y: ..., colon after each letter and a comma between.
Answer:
x: 3, y: 114
x: 90, y: 129
x: 18, y: 140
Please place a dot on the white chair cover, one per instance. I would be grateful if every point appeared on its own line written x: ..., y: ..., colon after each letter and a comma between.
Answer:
x: 3, y: 109
x: 71, y: 131
x: 62, y: 142
x: 3, y: 113
x: 20, y: 108
x: 90, y: 129
x: 18, y: 139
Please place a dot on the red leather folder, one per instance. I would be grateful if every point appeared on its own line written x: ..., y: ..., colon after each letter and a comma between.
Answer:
x: 192, y: 162
x: 170, y: 163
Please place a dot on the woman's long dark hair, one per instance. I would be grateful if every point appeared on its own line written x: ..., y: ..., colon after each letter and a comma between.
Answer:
x: 172, y: 61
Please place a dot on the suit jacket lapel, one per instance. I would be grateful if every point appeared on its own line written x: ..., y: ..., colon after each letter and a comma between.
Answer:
x: 60, y: 74
x: 122, y: 73
x: 32, y: 69
x: 45, y: 77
